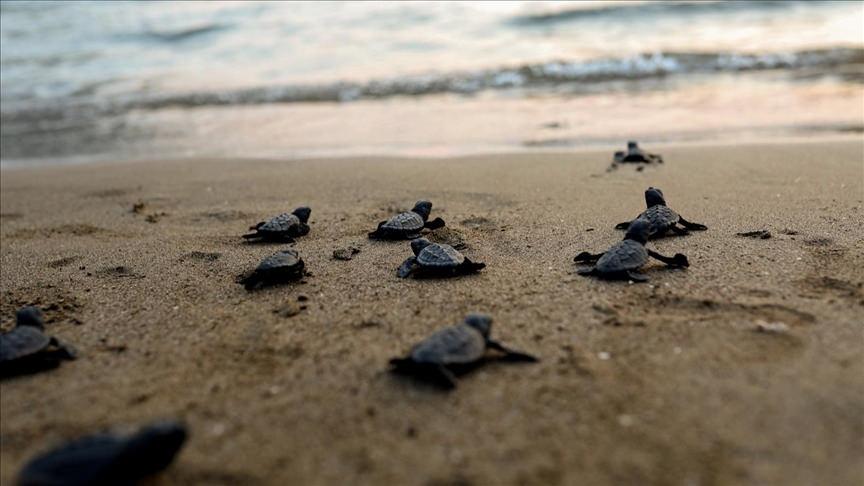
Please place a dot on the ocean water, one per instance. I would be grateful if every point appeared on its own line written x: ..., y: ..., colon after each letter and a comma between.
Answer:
x: 138, y: 80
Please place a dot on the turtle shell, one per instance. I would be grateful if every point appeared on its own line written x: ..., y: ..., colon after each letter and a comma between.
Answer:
x: 22, y: 341
x: 107, y: 458
x: 285, y: 260
x: 457, y: 344
x: 408, y: 222
x: 623, y: 256
x: 439, y: 255
x: 280, y: 224
x: 660, y: 218
x: 87, y: 460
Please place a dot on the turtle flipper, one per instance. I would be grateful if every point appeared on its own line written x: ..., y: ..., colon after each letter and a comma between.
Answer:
x: 679, y: 230
x: 302, y: 229
x: 691, y: 226
x: 251, y: 236
x: 586, y: 257
x: 587, y: 271
x: 441, y: 376
x: 619, y: 156
x: 637, y: 277
x: 622, y: 226
x: 434, y: 224
x: 63, y: 350
x: 471, y: 267
x: 378, y: 234
x: 436, y: 374
x: 251, y: 281
x: 407, y: 267
x: 679, y: 260
x: 509, y: 354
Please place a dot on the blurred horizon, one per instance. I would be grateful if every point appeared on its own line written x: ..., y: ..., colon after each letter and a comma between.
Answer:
x: 154, y: 79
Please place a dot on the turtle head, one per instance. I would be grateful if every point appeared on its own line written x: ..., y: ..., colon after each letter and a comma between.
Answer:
x: 418, y: 245
x: 637, y: 231
x: 154, y: 447
x: 423, y: 208
x: 481, y: 322
x: 632, y: 145
x: 654, y: 197
x: 30, y: 316
x: 302, y: 213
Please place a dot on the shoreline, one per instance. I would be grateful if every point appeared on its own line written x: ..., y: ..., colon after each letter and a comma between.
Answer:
x: 847, y: 134
x: 661, y: 383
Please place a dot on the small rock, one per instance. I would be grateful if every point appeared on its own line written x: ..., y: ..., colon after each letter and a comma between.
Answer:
x: 771, y: 327
x: 138, y: 207
x: 154, y: 217
x: 290, y: 309
x: 603, y: 355
x: 761, y: 234
x: 302, y: 297
x: 367, y: 324
x: 346, y: 253
x: 625, y: 420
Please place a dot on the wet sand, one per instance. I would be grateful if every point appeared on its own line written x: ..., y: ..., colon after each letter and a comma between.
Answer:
x: 661, y: 383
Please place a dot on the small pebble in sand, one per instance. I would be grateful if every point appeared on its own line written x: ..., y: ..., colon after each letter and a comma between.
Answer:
x: 625, y: 420
x: 603, y: 355
x: 217, y: 429
x: 771, y: 327
x: 761, y: 234
x: 346, y: 253
x: 290, y: 309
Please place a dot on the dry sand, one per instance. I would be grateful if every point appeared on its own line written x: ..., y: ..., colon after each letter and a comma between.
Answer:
x: 660, y: 383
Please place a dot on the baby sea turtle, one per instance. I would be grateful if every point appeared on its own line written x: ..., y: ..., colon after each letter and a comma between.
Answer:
x: 621, y: 261
x: 279, y: 267
x: 436, y: 260
x: 27, y: 349
x: 407, y: 225
x: 107, y: 459
x: 454, y: 350
x: 661, y: 219
x: 284, y: 227
x: 634, y: 154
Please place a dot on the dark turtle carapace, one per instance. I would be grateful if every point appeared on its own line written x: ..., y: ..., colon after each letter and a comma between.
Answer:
x: 280, y: 267
x: 436, y: 260
x: 635, y: 155
x: 107, y: 459
x: 662, y: 219
x: 283, y: 228
x: 623, y: 259
x: 407, y: 225
x: 454, y: 350
x: 27, y: 349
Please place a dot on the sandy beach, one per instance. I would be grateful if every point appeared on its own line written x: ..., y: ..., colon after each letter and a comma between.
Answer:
x: 662, y: 383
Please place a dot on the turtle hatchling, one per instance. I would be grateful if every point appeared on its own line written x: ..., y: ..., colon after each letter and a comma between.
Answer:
x: 283, y: 228
x: 27, y: 349
x: 107, y: 459
x: 280, y: 267
x: 454, y: 350
x: 436, y: 260
x: 407, y: 225
x: 636, y: 155
x: 623, y: 259
x: 662, y: 219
